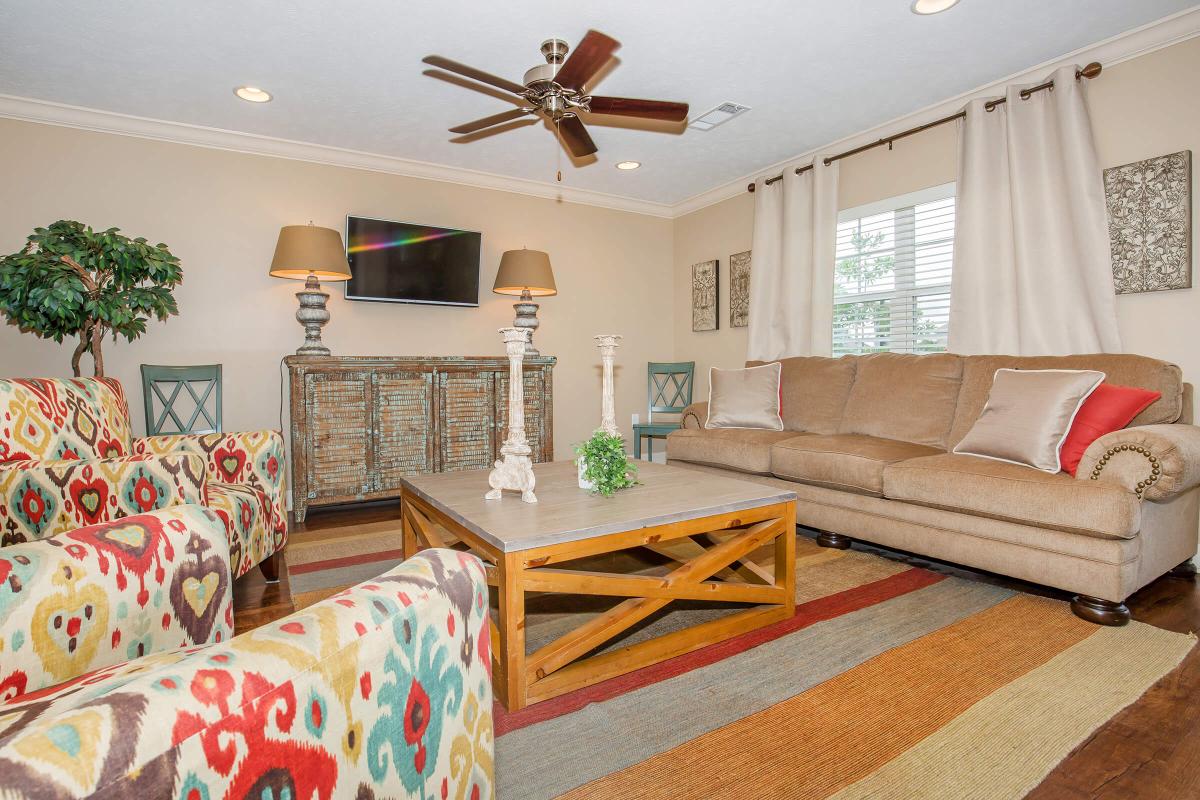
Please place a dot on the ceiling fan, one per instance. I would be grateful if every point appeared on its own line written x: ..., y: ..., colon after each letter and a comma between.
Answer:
x: 556, y: 91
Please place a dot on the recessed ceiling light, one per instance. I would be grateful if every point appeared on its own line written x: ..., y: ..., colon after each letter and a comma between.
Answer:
x: 252, y: 94
x: 628, y: 164
x: 926, y: 7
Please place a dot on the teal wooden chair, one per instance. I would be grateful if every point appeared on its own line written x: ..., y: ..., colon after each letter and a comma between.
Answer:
x: 163, y: 388
x: 668, y: 391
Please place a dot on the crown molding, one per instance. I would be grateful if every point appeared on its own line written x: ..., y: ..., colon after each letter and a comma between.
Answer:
x: 1131, y: 44
x: 41, y: 111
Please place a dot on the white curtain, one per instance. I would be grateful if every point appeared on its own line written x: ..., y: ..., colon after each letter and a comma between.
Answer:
x: 1032, y: 274
x: 791, y: 277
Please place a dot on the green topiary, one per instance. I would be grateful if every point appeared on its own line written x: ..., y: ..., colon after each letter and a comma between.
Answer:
x: 70, y: 280
x: 605, y: 464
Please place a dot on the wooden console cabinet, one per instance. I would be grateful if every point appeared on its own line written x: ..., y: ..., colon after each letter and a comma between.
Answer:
x: 361, y: 423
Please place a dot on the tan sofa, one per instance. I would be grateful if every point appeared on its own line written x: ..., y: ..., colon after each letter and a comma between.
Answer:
x: 866, y: 448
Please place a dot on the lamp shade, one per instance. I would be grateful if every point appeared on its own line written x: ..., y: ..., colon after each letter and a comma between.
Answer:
x: 522, y: 270
x: 304, y: 250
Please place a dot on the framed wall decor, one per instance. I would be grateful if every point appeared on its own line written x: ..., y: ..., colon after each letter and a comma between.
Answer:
x: 705, y: 293
x: 739, y: 290
x: 1150, y: 223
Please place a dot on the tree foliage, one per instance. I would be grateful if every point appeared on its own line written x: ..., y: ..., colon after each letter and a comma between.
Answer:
x: 69, y: 280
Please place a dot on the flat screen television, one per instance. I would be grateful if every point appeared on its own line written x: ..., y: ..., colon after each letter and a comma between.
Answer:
x: 401, y: 262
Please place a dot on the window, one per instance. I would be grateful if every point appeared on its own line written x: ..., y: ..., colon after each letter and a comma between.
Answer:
x: 891, y: 290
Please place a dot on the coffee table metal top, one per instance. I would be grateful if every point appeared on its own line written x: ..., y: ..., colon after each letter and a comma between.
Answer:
x: 566, y: 513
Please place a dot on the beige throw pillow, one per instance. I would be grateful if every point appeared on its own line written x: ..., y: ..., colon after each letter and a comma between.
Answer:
x: 1028, y: 415
x: 744, y: 398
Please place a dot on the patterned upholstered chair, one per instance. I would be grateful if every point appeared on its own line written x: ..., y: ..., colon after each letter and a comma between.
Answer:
x: 119, y: 678
x: 68, y: 458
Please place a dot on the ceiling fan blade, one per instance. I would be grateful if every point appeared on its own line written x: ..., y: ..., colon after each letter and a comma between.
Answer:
x: 592, y: 53
x: 647, y: 109
x: 467, y: 138
x: 487, y: 122
x: 474, y: 74
x: 575, y: 137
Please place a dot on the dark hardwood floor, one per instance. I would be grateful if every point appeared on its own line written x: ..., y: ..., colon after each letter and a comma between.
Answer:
x: 1149, y: 750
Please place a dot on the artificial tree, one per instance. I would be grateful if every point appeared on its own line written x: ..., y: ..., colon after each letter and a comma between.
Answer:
x: 70, y: 280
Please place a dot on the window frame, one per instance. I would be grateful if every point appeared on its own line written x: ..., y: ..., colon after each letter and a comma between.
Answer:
x: 908, y: 288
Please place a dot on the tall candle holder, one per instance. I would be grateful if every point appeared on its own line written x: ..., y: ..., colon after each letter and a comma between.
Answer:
x: 514, y: 470
x: 608, y: 344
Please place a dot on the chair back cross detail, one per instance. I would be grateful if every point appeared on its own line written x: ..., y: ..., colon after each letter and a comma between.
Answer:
x: 668, y: 387
x: 167, y: 390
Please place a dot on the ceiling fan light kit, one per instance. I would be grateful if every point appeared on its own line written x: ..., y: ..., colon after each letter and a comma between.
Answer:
x: 556, y: 91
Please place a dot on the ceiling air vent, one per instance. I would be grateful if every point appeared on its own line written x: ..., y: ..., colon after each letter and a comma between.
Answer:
x: 722, y: 113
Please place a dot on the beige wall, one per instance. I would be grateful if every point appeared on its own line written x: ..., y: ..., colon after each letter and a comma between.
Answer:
x: 1141, y: 108
x: 220, y: 213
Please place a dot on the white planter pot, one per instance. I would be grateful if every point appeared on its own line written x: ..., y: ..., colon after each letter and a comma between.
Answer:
x: 583, y: 482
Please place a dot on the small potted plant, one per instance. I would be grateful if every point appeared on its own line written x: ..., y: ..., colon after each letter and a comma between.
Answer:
x: 603, y: 466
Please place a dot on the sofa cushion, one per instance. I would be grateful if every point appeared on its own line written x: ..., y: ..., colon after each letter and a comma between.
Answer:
x: 814, y: 391
x: 1028, y: 415
x: 742, y: 449
x: 1119, y: 368
x: 744, y: 398
x: 1015, y: 493
x: 906, y: 397
x: 848, y: 461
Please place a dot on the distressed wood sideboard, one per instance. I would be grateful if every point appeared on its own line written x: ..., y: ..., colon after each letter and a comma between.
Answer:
x: 361, y: 423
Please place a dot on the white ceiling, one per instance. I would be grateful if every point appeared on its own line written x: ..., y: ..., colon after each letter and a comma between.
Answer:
x: 349, y: 74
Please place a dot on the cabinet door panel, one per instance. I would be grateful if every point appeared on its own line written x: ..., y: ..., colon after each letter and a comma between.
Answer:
x: 403, y: 427
x: 466, y: 425
x: 338, y: 434
x: 534, y: 387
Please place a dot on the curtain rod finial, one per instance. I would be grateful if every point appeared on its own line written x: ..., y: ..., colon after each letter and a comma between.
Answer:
x: 750, y: 187
x: 1091, y: 70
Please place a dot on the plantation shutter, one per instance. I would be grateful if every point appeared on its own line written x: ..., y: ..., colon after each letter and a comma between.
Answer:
x: 892, y: 275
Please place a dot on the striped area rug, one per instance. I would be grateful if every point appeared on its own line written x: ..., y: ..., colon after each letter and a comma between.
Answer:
x: 889, y: 682
x: 321, y: 563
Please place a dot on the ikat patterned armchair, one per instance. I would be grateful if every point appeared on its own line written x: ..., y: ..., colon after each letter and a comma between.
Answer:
x: 119, y: 677
x: 68, y: 459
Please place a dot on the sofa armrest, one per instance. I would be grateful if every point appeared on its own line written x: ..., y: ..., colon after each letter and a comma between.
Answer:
x: 1155, y: 462
x: 247, y: 458
x: 383, y: 690
x: 105, y: 594
x: 695, y: 415
x: 39, y: 499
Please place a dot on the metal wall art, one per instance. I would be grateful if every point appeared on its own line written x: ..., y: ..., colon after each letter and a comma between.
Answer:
x: 705, y: 292
x: 739, y: 290
x: 1150, y: 223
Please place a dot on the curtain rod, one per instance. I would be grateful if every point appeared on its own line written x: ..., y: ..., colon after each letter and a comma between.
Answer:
x: 1090, y: 71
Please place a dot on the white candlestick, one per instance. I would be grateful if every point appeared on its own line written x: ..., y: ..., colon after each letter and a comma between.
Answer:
x: 514, y: 470
x: 608, y: 344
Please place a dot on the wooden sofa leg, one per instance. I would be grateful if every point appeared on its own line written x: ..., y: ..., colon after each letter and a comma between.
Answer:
x: 270, y: 567
x: 1185, y: 570
x: 1101, y: 612
x: 835, y: 540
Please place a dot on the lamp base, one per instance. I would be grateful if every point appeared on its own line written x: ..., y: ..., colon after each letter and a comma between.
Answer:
x: 527, y: 320
x: 312, y: 315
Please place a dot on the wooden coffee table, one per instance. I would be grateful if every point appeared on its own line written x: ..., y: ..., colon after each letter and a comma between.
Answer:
x: 709, y: 524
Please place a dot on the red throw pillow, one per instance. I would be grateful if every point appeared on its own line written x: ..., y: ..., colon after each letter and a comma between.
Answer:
x: 1109, y: 408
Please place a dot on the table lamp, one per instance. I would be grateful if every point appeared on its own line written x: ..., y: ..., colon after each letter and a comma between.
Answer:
x: 526, y: 273
x: 310, y: 254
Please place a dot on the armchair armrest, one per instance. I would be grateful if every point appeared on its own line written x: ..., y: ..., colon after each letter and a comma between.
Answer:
x: 385, y: 686
x: 39, y: 499
x: 105, y: 594
x: 695, y: 415
x: 1155, y: 462
x: 247, y: 458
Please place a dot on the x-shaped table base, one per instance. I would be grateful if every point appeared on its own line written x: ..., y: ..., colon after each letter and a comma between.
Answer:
x: 712, y: 556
